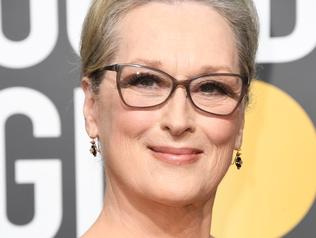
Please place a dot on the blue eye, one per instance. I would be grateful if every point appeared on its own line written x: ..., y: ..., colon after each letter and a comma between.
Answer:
x: 213, y: 88
x: 142, y: 80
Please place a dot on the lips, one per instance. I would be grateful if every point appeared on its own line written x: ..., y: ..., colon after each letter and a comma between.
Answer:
x: 174, y: 155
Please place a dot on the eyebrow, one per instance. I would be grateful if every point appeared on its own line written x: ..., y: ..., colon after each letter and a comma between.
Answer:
x: 203, y: 70
x: 147, y: 62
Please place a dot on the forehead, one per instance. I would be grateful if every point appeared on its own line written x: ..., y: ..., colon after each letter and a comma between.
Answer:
x: 181, y: 36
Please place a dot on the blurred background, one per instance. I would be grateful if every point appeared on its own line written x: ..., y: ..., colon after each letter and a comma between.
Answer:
x: 50, y: 186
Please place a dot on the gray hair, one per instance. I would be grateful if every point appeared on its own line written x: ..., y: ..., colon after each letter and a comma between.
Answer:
x: 99, y: 43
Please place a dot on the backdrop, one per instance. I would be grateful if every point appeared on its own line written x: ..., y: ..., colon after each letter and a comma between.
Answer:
x: 50, y: 186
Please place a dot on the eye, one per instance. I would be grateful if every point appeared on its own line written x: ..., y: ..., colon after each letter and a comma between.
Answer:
x: 143, y: 80
x: 212, y: 88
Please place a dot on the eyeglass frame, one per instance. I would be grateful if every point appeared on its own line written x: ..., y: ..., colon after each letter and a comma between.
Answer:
x: 175, y: 83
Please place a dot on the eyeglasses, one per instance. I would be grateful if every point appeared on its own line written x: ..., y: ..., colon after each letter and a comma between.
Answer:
x: 146, y: 87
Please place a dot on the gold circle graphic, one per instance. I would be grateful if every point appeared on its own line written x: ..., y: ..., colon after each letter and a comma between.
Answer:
x: 276, y: 185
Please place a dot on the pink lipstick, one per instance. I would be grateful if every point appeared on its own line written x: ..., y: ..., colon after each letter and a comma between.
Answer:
x: 176, y: 156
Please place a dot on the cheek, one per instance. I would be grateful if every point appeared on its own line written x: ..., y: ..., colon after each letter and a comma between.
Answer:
x: 121, y: 131
x: 220, y: 135
x: 221, y: 131
x: 116, y: 123
x: 132, y: 124
x: 123, y: 128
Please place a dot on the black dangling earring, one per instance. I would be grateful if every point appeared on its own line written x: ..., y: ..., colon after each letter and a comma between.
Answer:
x: 93, y: 148
x: 238, y: 160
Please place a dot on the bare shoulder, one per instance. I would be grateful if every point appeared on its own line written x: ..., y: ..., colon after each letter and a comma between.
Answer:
x: 90, y: 234
x: 86, y: 235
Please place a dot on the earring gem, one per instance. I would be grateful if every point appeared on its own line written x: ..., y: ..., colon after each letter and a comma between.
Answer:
x: 238, y: 161
x: 93, y: 148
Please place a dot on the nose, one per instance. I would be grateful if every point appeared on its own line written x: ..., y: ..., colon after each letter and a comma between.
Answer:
x: 178, y: 114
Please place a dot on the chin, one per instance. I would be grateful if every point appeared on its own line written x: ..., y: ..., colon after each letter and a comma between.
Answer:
x: 179, y: 195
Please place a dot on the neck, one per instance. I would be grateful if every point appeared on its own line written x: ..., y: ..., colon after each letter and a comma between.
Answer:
x: 125, y: 214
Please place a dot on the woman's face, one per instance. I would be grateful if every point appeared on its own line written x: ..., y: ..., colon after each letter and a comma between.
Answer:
x: 172, y: 154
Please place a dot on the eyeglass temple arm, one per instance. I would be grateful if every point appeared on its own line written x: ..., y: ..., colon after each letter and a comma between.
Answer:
x: 113, y: 67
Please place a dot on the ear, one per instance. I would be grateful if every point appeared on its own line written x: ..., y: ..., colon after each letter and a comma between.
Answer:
x: 89, y: 108
x: 239, y: 136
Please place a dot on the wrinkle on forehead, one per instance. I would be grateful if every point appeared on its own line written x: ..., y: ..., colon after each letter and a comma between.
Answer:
x: 203, y: 69
x: 181, y: 38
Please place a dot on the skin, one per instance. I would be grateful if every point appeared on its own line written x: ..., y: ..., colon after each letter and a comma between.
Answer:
x: 147, y: 197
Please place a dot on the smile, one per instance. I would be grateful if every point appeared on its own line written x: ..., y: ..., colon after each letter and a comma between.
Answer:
x: 176, y: 156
